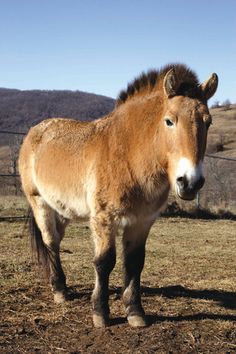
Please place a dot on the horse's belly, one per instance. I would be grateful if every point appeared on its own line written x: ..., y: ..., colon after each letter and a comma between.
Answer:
x: 75, y: 208
x: 69, y: 194
x: 70, y: 203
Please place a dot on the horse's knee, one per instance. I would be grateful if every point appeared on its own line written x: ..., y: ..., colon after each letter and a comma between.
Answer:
x: 134, y: 261
x: 105, y: 263
x: 61, y: 224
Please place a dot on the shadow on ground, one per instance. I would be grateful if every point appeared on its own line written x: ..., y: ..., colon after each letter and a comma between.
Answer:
x: 222, y: 298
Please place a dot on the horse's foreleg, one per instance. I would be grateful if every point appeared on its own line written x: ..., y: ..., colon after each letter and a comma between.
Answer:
x: 134, y: 241
x: 104, y: 262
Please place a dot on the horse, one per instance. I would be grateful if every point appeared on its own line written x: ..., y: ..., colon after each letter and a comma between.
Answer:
x: 117, y: 172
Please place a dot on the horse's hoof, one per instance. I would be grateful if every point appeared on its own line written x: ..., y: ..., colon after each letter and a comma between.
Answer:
x: 100, y: 321
x: 136, y: 321
x: 59, y: 297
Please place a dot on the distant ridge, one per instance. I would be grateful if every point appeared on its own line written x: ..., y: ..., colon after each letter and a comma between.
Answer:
x: 19, y: 109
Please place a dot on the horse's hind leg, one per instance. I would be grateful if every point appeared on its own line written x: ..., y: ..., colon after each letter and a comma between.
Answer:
x: 104, y: 261
x: 48, y: 231
x: 134, y: 240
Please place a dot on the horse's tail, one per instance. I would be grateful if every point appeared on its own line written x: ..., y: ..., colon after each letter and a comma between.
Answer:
x: 39, y: 249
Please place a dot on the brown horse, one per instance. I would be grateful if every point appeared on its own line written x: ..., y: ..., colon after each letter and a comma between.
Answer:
x: 117, y: 171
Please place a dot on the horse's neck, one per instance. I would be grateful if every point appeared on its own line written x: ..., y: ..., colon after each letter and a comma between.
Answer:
x: 136, y: 128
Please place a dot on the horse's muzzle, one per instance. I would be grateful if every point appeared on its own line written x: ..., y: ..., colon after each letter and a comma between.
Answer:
x: 188, y: 190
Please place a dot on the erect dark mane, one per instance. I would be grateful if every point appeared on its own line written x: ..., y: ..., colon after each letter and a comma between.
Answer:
x: 188, y: 82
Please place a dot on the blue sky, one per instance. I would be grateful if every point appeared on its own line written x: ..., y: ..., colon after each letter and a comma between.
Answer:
x: 98, y: 46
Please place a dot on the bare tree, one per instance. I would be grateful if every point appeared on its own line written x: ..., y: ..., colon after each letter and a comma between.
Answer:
x: 216, y: 104
x: 227, y: 105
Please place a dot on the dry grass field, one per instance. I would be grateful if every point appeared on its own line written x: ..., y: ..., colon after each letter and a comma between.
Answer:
x: 189, y: 293
x: 222, y: 133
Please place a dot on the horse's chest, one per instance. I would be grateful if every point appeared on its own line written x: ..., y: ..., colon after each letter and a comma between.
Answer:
x: 146, y: 210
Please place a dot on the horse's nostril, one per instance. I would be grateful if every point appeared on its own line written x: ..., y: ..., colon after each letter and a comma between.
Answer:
x: 200, y: 183
x: 182, y: 182
x: 180, y: 179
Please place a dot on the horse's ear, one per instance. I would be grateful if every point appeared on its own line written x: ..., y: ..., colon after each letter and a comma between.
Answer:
x: 209, y: 86
x: 170, y: 83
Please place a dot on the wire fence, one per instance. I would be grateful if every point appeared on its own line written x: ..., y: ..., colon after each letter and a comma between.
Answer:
x: 218, y: 194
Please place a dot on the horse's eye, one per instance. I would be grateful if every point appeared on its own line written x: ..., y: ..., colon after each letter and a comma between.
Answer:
x: 169, y: 122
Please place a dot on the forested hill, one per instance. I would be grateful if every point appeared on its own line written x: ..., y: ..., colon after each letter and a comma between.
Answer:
x: 19, y: 110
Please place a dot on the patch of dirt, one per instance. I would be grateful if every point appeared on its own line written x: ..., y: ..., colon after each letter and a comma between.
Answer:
x: 188, y: 292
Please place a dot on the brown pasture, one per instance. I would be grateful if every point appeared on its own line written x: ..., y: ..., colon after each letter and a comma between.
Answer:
x: 189, y: 294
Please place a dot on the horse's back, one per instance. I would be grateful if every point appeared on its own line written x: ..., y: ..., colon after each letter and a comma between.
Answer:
x: 51, y: 162
x: 55, y: 128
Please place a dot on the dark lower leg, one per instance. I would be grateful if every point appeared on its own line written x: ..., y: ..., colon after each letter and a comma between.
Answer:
x: 133, y: 265
x: 57, y: 276
x: 103, y: 267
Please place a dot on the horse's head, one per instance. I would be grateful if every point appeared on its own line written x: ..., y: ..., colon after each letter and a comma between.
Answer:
x: 185, y: 122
